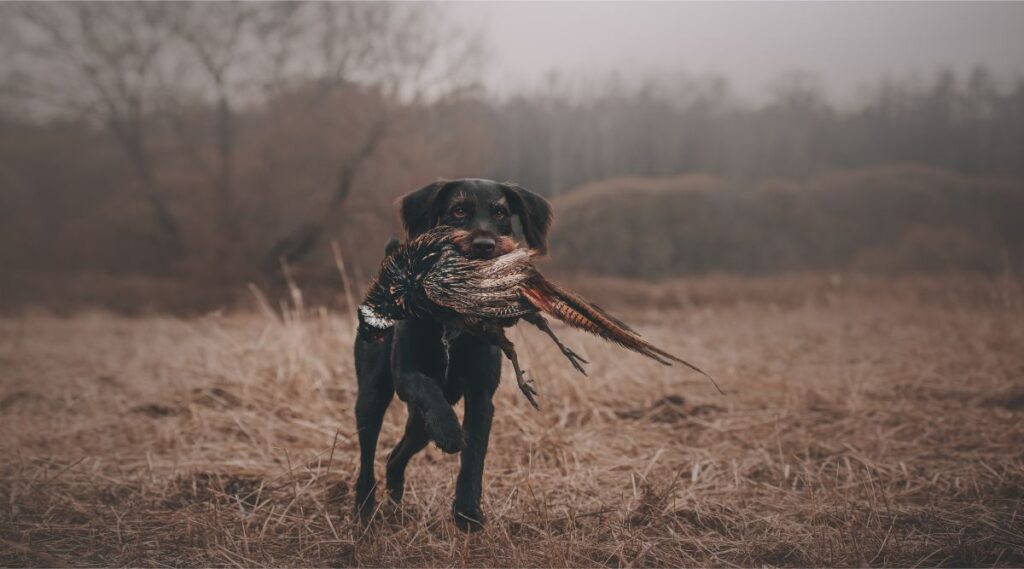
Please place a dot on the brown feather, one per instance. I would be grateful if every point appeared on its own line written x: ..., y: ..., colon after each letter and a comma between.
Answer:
x: 575, y: 311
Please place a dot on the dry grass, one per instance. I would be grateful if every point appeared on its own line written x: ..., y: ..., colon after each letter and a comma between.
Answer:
x: 865, y: 425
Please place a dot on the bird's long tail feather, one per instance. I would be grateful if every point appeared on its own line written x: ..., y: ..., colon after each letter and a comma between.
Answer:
x: 578, y: 313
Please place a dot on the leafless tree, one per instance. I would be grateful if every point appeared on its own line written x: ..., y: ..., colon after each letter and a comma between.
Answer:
x: 401, y: 51
x: 134, y: 67
x: 99, y: 61
x: 213, y: 34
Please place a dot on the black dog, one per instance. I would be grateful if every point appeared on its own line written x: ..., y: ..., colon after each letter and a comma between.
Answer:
x: 411, y: 361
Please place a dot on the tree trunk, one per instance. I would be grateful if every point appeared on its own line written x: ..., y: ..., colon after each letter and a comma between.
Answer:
x: 225, y: 181
x: 170, y: 230
x: 301, y: 242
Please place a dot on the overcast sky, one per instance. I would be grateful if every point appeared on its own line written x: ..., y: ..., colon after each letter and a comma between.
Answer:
x: 847, y: 45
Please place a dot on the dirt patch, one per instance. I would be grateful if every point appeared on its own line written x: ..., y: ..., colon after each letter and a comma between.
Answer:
x: 1011, y: 398
x: 157, y: 410
x: 215, y: 397
x: 20, y: 399
x: 669, y: 409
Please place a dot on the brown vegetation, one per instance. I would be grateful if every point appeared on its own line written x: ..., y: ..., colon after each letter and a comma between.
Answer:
x: 902, y: 218
x: 867, y: 422
x: 906, y: 219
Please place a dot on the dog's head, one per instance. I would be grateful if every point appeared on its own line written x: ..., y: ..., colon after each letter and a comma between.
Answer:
x: 489, y: 213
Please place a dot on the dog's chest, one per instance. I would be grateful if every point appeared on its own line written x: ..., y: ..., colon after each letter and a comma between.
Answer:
x: 449, y: 334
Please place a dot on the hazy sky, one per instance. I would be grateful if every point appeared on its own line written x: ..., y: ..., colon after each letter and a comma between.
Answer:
x: 848, y: 45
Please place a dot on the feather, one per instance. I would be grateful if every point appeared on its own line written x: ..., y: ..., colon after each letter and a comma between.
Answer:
x: 429, y: 278
x: 578, y: 313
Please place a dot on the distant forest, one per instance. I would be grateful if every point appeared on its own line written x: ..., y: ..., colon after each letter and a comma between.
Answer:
x: 969, y: 123
x: 138, y: 144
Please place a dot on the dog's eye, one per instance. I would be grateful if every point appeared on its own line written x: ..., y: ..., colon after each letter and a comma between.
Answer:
x: 459, y: 211
x: 500, y: 212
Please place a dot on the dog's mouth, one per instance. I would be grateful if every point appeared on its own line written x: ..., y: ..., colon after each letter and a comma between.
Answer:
x: 464, y: 244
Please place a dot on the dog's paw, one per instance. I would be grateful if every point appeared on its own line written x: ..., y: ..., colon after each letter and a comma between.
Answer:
x: 446, y: 432
x: 469, y: 520
x: 396, y: 488
x: 365, y: 509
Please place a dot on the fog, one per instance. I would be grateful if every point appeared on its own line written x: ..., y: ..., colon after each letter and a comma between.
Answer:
x: 847, y: 45
x: 165, y: 155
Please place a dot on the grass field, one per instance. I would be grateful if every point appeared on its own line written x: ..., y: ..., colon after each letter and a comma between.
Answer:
x: 866, y: 422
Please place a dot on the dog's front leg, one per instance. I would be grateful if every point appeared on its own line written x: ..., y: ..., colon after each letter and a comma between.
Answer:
x: 422, y: 392
x: 416, y: 364
x: 478, y: 367
x: 477, y: 426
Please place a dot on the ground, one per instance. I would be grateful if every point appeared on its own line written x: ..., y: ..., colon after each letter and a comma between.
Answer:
x: 866, y: 422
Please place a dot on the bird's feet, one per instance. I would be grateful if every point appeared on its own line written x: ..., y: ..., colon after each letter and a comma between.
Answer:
x: 575, y: 359
x: 526, y: 386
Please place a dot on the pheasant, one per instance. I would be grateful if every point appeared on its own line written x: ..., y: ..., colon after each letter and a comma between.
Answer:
x: 431, y: 278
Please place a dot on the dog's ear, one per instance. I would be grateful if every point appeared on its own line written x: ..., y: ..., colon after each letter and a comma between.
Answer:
x: 418, y: 208
x: 391, y: 245
x: 534, y: 214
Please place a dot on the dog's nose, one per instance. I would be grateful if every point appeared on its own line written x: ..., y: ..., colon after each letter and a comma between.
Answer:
x: 483, y: 245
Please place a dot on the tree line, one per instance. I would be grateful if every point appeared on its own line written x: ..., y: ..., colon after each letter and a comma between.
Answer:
x: 218, y: 144
x: 573, y: 133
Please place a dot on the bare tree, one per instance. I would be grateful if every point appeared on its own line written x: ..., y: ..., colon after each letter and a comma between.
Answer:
x: 135, y: 68
x: 399, y: 50
x: 101, y: 62
x: 219, y: 39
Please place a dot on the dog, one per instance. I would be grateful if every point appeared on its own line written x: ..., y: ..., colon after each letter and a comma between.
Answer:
x: 412, y: 360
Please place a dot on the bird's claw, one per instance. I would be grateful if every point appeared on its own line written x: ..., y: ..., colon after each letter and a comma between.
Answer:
x: 575, y: 359
x: 526, y: 386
